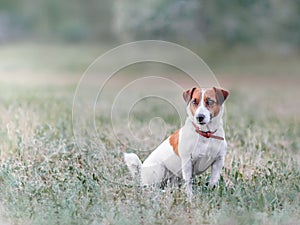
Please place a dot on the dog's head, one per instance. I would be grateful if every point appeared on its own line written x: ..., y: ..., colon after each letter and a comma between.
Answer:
x: 204, y: 104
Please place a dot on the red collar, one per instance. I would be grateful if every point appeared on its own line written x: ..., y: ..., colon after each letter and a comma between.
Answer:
x: 207, y: 134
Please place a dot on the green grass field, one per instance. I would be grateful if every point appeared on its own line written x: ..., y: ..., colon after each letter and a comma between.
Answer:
x: 46, y: 179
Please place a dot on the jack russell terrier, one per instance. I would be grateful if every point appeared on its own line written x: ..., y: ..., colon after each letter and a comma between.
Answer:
x: 192, y: 149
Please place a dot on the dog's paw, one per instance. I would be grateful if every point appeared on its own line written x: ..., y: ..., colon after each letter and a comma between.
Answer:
x: 213, y: 185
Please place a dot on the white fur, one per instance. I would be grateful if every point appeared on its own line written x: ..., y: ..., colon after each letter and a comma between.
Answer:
x: 202, y: 110
x: 196, y: 154
x: 133, y: 162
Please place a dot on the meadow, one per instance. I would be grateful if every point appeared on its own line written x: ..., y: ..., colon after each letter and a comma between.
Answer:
x: 46, y: 179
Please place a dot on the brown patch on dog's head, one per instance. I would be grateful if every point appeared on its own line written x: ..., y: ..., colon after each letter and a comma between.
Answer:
x: 211, y: 102
x: 214, y: 98
x: 187, y: 95
x: 195, y: 100
x: 174, y: 139
x: 194, y: 96
x: 221, y: 94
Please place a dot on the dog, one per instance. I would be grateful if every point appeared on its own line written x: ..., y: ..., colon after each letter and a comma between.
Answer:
x: 192, y: 149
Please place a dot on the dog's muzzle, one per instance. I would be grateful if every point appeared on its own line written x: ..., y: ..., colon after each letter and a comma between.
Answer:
x: 200, y: 118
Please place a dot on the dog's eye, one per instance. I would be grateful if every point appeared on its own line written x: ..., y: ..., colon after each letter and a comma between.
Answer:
x: 194, y: 102
x: 210, y: 102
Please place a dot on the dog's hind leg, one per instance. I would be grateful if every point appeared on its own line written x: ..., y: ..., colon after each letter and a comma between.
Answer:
x: 152, y: 173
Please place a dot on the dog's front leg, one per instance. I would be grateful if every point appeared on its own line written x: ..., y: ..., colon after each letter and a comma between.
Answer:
x: 216, y: 169
x: 187, y: 176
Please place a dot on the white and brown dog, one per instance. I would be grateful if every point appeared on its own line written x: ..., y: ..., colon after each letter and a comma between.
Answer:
x: 192, y: 149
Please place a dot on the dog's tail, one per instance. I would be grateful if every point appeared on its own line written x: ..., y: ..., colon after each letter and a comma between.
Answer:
x: 133, y: 162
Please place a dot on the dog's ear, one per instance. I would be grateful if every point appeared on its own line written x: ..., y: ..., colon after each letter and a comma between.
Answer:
x: 221, y: 95
x: 187, y: 95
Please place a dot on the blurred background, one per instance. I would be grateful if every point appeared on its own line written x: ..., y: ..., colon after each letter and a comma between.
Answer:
x: 197, y: 23
x: 215, y: 26
x: 245, y: 43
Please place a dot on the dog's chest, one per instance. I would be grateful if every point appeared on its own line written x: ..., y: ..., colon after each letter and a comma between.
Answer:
x: 196, y: 146
x: 204, y: 154
x: 205, y: 147
x: 202, y: 151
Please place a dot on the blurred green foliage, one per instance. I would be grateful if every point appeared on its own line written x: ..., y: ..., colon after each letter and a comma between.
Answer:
x: 226, y: 22
x: 74, y: 20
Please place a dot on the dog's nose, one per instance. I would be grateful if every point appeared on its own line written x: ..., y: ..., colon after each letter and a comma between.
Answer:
x: 200, y: 118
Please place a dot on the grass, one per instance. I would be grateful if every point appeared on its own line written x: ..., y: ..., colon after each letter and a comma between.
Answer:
x: 46, y: 179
